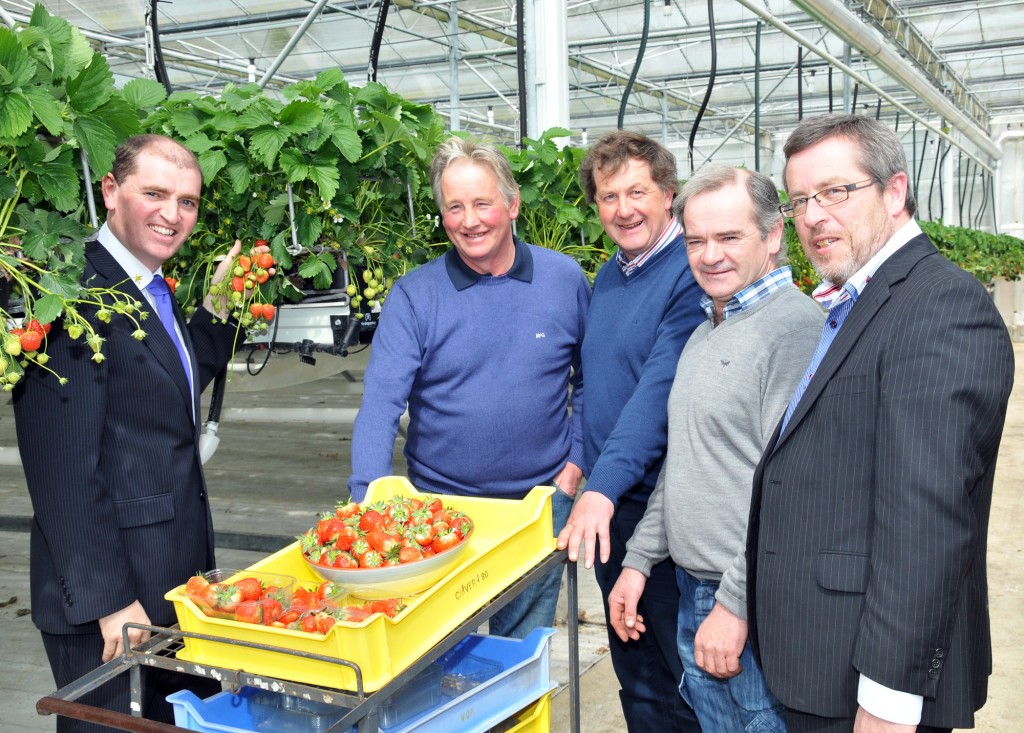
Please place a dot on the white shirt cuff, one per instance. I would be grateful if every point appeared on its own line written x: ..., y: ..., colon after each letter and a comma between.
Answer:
x: 892, y: 705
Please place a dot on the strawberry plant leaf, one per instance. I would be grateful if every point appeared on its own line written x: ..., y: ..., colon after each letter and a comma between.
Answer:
x: 293, y: 163
x: 238, y: 174
x: 98, y: 141
x: 16, y: 66
x: 211, y: 162
x: 92, y: 87
x: 141, y: 93
x: 312, y: 267
x: 47, y: 308
x: 64, y: 285
x: 300, y: 117
x: 266, y: 142
x: 60, y: 184
x: 323, y: 171
x: 15, y: 114
x: 45, y: 108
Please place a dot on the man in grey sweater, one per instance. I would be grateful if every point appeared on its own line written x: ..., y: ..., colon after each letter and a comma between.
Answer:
x: 734, y: 379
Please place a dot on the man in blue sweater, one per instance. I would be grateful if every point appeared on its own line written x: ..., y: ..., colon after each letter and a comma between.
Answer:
x: 646, y: 304
x: 481, y: 345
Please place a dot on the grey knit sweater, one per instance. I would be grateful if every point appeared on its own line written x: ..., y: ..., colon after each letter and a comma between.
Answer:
x: 731, y: 388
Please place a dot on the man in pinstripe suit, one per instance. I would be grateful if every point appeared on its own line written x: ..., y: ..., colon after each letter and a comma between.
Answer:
x: 121, y: 512
x: 867, y: 588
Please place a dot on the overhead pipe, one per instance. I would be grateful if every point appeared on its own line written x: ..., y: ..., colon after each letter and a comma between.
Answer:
x: 836, y: 17
x: 292, y: 42
x: 757, y: 99
x: 921, y: 88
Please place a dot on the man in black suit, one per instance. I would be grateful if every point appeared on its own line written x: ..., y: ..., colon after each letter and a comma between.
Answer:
x: 867, y: 588
x: 121, y: 512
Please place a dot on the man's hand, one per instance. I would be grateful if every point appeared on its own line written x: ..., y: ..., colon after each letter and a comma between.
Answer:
x: 588, y: 523
x: 568, y: 479
x: 110, y: 628
x: 719, y: 642
x: 622, y: 602
x: 220, y: 308
x: 868, y: 723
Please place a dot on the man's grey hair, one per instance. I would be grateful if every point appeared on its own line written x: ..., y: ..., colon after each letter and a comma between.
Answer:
x: 457, y: 148
x: 879, y: 150
x: 764, y: 197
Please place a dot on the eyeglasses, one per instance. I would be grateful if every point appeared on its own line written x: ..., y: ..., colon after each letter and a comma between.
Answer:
x: 828, y: 197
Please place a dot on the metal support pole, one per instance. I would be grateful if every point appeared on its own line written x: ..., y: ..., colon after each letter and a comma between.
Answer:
x: 453, y: 66
x: 90, y: 200
x: 292, y: 42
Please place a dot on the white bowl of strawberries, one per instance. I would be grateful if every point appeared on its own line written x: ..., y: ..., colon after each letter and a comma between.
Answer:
x: 387, y: 549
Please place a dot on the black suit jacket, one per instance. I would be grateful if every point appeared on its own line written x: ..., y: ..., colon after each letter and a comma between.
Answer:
x: 867, y: 535
x: 112, y: 463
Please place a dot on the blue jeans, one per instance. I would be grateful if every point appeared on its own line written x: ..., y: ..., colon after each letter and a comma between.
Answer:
x: 648, y: 669
x: 536, y: 605
x: 740, y: 703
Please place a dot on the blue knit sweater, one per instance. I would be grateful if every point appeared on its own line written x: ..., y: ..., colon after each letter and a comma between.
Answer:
x: 485, y: 373
x: 636, y: 329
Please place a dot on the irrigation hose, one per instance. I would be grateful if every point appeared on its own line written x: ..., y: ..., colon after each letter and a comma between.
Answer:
x: 378, y: 37
x: 712, y: 73
x: 636, y: 65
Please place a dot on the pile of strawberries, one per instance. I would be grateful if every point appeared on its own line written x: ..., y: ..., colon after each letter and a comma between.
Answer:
x: 394, y: 532
x: 247, y: 599
x: 314, y: 611
x: 241, y: 291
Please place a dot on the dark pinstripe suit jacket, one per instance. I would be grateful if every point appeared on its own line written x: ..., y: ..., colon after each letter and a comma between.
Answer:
x: 112, y: 464
x: 867, y: 534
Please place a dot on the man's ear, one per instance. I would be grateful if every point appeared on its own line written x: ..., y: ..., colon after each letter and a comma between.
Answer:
x: 108, y: 184
x: 896, y: 193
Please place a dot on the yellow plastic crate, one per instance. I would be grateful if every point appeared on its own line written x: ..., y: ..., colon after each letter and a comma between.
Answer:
x: 509, y: 538
x: 535, y: 718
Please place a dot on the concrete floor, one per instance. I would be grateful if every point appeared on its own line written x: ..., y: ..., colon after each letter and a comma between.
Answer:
x: 284, y: 451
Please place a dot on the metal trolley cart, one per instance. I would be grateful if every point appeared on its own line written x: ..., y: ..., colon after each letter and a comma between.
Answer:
x: 363, y: 708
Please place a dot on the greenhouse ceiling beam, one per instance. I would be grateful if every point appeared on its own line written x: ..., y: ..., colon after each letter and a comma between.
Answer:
x: 276, y: 19
x: 894, y: 25
x: 468, y: 23
x: 296, y: 36
x: 945, y: 109
x: 834, y: 16
x: 135, y: 46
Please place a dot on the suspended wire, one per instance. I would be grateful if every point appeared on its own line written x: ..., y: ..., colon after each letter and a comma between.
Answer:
x: 942, y: 195
x: 878, y: 109
x: 799, y: 83
x: 853, y: 103
x: 959, y: 185
x: 159, y: 67
x: 931, y: 186
x: 521, y: 74
x: 920, y: 167
x: 992, y: 198
x: 757, y: 99
x: 378, y: 37
x: 984, y: 200
x: 970, y: 194
x: 830, y: 89
x: 712, y: 73
x: 639, y: 60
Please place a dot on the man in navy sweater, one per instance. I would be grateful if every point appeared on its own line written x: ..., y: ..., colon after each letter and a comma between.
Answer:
x: 646, y: 304
x: 482, y: 345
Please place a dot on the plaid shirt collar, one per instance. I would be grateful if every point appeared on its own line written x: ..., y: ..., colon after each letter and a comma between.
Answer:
x: 754, y: 293
x: 630, y: 267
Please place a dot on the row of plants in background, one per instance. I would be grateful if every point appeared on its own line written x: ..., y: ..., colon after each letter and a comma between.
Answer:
x: 330, y: 178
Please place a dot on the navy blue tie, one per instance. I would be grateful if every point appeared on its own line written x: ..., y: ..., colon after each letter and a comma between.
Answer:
x: 165, y: 308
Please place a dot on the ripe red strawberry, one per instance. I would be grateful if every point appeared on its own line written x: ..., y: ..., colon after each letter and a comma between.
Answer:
x: 462, y: 525
x: 371, y: 519
x: 268, y: 308
x: 288, y: 617
x: 245, y: 262
x: 36, y: 326
x: 348, y: 509
x: 345, y: 560
x: 172, y: 283
x: 272, y: 609
x: 371, y: 559
x: 259, y: 243
x: 389, y: 607
x: 303, y: 600
x: 249, y: 613
x: 308, y: 624
x: 381, y: 541
x: 324, y: 622
x: 264, y: 260
x: 31, y: 340
x: 197, y: 586
x: 250, y: 588
x: 445, y: 540
x: 360, y: 547
x: 434, y: 505
x: 226, y: 596
x: 410, y: 554
x: 424, y: 534
x: 256, y: 309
